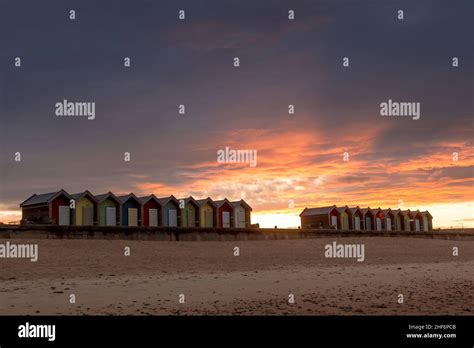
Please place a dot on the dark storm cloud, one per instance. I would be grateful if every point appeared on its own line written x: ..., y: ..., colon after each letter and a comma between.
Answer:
x: 191, y: 63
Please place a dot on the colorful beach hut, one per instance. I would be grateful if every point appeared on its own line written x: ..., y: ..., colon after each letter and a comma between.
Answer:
x: 368, y: 219
x: 47, y: 208
x: 416, y: 221
x: 344, y: 217
x: 322, y: 217
x: 427, y: 221
x: 379, y: 218
x: 171, y: 211
x: 242, y: 213
x: 85, y: 209
x: 225, y: 212
x: 207, y: 212
x: 406, y: 218
x: 189, y: 212
x: 108, y: 209
x: 131, y: 210
x: 389, y: 220
x: 151, y: 211
x: 356, y: 219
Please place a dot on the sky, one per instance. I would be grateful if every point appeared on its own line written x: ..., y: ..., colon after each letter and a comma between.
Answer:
x: 335, y: 149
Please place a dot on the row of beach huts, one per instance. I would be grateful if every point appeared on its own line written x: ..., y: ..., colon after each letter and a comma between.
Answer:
x: 86, y: 209
x: 366, y: 219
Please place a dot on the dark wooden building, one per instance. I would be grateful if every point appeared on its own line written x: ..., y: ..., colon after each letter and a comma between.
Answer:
x: 47, y: 208
x: 323, y: 217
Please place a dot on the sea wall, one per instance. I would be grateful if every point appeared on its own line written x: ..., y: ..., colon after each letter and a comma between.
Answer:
x: 206, y: 234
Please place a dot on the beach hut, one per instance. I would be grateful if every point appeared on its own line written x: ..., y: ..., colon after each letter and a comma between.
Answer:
x: 322, y: 217
x: 406, y: 217
x: 241, y: 214
x: 207, y: 212
x: 85, y: 210
x: 151, y: 211
x: 397, y: 219
x: 171, y: 212
x: 389, y: 220
x: 108, y: 209
x: 47, y: 208
x: 416, y: 221
x: 427, y: 221
x: 225, y: 212
x: 379, y: 218
x: 189, y: 212
x: 131, y: 210
x: 368, y: 219
x: 356, y: 218
x: 344, y: 217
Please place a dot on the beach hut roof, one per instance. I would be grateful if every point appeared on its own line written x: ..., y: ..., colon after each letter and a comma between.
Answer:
x: 125, y: 198
x: 317, y: 211
x: 145, y: 199
x: 241, y: 203
x: 102, y: 197
x: 365, y: 210
x: 354, y: 209
x: 222, y: 201
x: 427, y: 213
x: 343, y: 209
x: 191, y: 200
x: 77, y: 196
x: 43, y: 198
x: 207, y: 200
x: 415, y: 213
x: 165, y: 200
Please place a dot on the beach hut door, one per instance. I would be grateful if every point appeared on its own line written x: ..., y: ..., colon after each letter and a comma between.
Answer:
x: 208, y: 217
x: 334, y: 221
x: 241, y: 219
x: 225, y: 219
x: 110, y: 216
x: 425, y: 224
x: 63, y: 211
x: 368, y: 225
x: 191, y: 218
x: 417, y: 225
x: 389, y: 224
x: 88, y: 216
x: 153, y: 217
x: 379, y: 224
x: 357, y: 223
x: 132, y: 217
x: 172, y: 218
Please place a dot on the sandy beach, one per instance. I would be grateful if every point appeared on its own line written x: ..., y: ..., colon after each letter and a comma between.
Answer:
x: 258, y: 281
